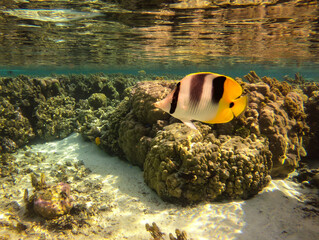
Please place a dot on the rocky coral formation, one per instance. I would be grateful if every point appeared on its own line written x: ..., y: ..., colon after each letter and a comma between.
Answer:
x: 82, y: 86
x: 97, y: 100
x: 55, y: 118
x: 311, y: 90
x: 141, y: 123
x: 45, y: 107
x: 26, y: 93
x: 49, y: 201
x: 274, y: 123
x: 15, y: 129
x: 277, y: 112
x: 198, y: 167
x: 185, y: 165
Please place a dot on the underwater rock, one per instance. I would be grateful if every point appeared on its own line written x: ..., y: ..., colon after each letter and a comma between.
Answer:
x: 49, y: 201
x: 97, y: 100
x: 15, y: 129
x: 308, y: 176
x: 55, y: 118
x: 186, y: 166
x: 102, y: 123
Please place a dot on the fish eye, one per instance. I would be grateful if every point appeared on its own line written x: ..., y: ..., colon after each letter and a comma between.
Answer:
x: 231, y: 104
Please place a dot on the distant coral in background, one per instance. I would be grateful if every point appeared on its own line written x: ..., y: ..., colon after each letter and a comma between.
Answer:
x: 311, y: 91
x: 15, y: 129
x: 55, y: 118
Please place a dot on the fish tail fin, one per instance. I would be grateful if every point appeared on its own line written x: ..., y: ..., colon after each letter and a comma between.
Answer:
x: 240, y: 105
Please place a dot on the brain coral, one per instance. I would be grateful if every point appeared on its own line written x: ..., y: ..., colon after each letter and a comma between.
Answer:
x: 184, y: 165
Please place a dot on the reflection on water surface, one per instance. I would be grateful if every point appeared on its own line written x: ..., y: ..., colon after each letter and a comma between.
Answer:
x: 161, y: 33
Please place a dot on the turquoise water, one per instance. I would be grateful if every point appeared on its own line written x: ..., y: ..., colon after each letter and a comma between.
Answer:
x: 274, y: 38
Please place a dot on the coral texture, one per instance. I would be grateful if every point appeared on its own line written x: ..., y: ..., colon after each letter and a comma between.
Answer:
x: 184, y: 165
x: 55, y: 118
x: 15, y: 129
x: 277, y: 112
x: 311, y: 90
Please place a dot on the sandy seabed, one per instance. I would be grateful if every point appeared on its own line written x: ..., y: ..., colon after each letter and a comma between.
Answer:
x: 280, y: 211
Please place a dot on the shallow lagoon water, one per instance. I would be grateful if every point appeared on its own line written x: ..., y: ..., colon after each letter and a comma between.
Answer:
x: 41, y: 38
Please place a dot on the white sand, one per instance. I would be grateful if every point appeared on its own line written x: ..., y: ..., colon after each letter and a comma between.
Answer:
x: 276, y: 213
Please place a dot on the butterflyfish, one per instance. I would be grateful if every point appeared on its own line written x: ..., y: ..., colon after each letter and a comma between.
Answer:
x: 206, y: 97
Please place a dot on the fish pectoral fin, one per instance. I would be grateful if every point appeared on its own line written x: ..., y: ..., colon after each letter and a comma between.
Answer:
x: 189, y: 124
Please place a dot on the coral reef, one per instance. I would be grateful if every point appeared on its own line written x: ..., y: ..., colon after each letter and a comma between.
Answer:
x: 103, y: 123
x: 82, y: 86
x: 49, y: 201
x: 143, y: 120
x: 185, y: 166
x: 182, y: 169
x: 277, y: 112
x: 311, y: 90
x: 26, y: 93
x: 15, y: 129
x: 45, y: 107
x: 55, y: 117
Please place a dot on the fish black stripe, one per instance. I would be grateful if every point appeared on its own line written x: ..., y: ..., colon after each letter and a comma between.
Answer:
x: 175, y: 99
x: 218, y: 88
x: 196, y: 89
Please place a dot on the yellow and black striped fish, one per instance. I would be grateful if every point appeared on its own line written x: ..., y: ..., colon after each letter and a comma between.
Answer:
x: 207, y: 97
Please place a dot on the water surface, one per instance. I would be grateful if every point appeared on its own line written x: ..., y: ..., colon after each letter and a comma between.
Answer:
x: 180, y: 36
